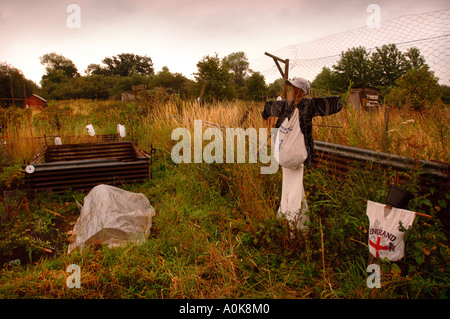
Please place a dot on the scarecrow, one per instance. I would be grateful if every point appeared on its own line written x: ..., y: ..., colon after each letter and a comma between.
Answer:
x: 295, y: 142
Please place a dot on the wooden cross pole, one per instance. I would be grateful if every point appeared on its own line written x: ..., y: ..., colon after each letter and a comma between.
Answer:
x: 29, y: 116
x: 285, y: 73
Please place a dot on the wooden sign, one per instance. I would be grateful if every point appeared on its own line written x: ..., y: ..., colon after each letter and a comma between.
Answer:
x: 141, y: 87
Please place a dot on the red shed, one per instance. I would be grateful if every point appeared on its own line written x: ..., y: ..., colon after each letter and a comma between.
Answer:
x: 35, y: 101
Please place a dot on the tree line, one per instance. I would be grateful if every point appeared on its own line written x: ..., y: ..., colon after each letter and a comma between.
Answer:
x: 14, y: 84
x: 217, y: 79
x: 403, y: 78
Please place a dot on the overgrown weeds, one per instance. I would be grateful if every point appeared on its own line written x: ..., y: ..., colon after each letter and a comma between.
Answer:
x: 210, y: 243
x: 216, y: 233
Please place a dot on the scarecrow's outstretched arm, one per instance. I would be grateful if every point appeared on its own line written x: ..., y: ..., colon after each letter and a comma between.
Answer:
x: 323, y: 106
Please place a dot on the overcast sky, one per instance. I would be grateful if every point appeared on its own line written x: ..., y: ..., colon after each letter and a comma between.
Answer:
x: 177, y: 33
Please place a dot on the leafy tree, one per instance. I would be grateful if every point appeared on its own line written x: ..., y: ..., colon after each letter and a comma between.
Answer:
x: 96, y: 86
x: 56, y: 82
x: 256, y: 88
x: 124, y: 64
x: 121, y: 72
x: 417, y: 88
x: 57, y: 68
x: 96, y: 69
x: 327, y: 82
x: 414, y: 58
x: 389, y: 64
x: 380, y: 69
x: 355, y: 66
x: 175, y: 82
x: 238, y: 65
x: 214, y: 75
x: 445, y: 94
x: 276, y: 88
x: 12, y: 79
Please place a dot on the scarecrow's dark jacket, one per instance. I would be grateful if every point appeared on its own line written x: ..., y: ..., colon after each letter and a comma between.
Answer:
x: 308, y: 108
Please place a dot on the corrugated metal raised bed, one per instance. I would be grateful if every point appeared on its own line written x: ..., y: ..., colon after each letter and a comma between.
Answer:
x: 83, y: 166
x: 339, y: 158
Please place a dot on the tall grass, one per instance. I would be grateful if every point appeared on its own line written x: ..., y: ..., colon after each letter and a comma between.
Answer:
x: 418, y: 135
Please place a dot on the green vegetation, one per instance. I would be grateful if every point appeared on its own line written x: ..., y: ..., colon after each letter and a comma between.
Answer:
x: 13, y: 83
x: 404, y: 79
x: 216, y: 234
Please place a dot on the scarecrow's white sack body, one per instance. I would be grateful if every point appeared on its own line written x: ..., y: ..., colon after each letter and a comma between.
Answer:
x: 113, y: 217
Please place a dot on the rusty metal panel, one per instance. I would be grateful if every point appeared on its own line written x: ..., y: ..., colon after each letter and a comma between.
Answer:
x: 88, y: 174
x: 83, y: 166
x: 87, y: 151
x: 341, y: 157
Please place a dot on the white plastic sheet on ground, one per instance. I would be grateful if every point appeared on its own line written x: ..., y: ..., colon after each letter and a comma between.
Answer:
x: 113, y: 217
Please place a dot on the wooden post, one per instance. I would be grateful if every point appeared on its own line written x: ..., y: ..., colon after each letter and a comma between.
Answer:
x: 323, y: 254
x: 286, y: 76
x: 151, y: 161
x: 384, y: 136
x: 12, y: 92
x: 285, y: 73
x: 29, y: 117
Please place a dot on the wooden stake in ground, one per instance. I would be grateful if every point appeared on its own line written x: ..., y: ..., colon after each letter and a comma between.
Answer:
x: 384, y: 136
x: 12, y: 92
x: 323, y: 253
x: 29, y: 118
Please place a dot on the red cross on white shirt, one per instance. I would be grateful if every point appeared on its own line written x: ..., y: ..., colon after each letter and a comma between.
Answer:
x: 378, y: 247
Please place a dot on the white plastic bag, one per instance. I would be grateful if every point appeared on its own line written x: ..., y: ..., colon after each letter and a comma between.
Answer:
x: 290, y: 143
x: 113, y: 217
x: 121, y: 130
x: 90, y: 129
